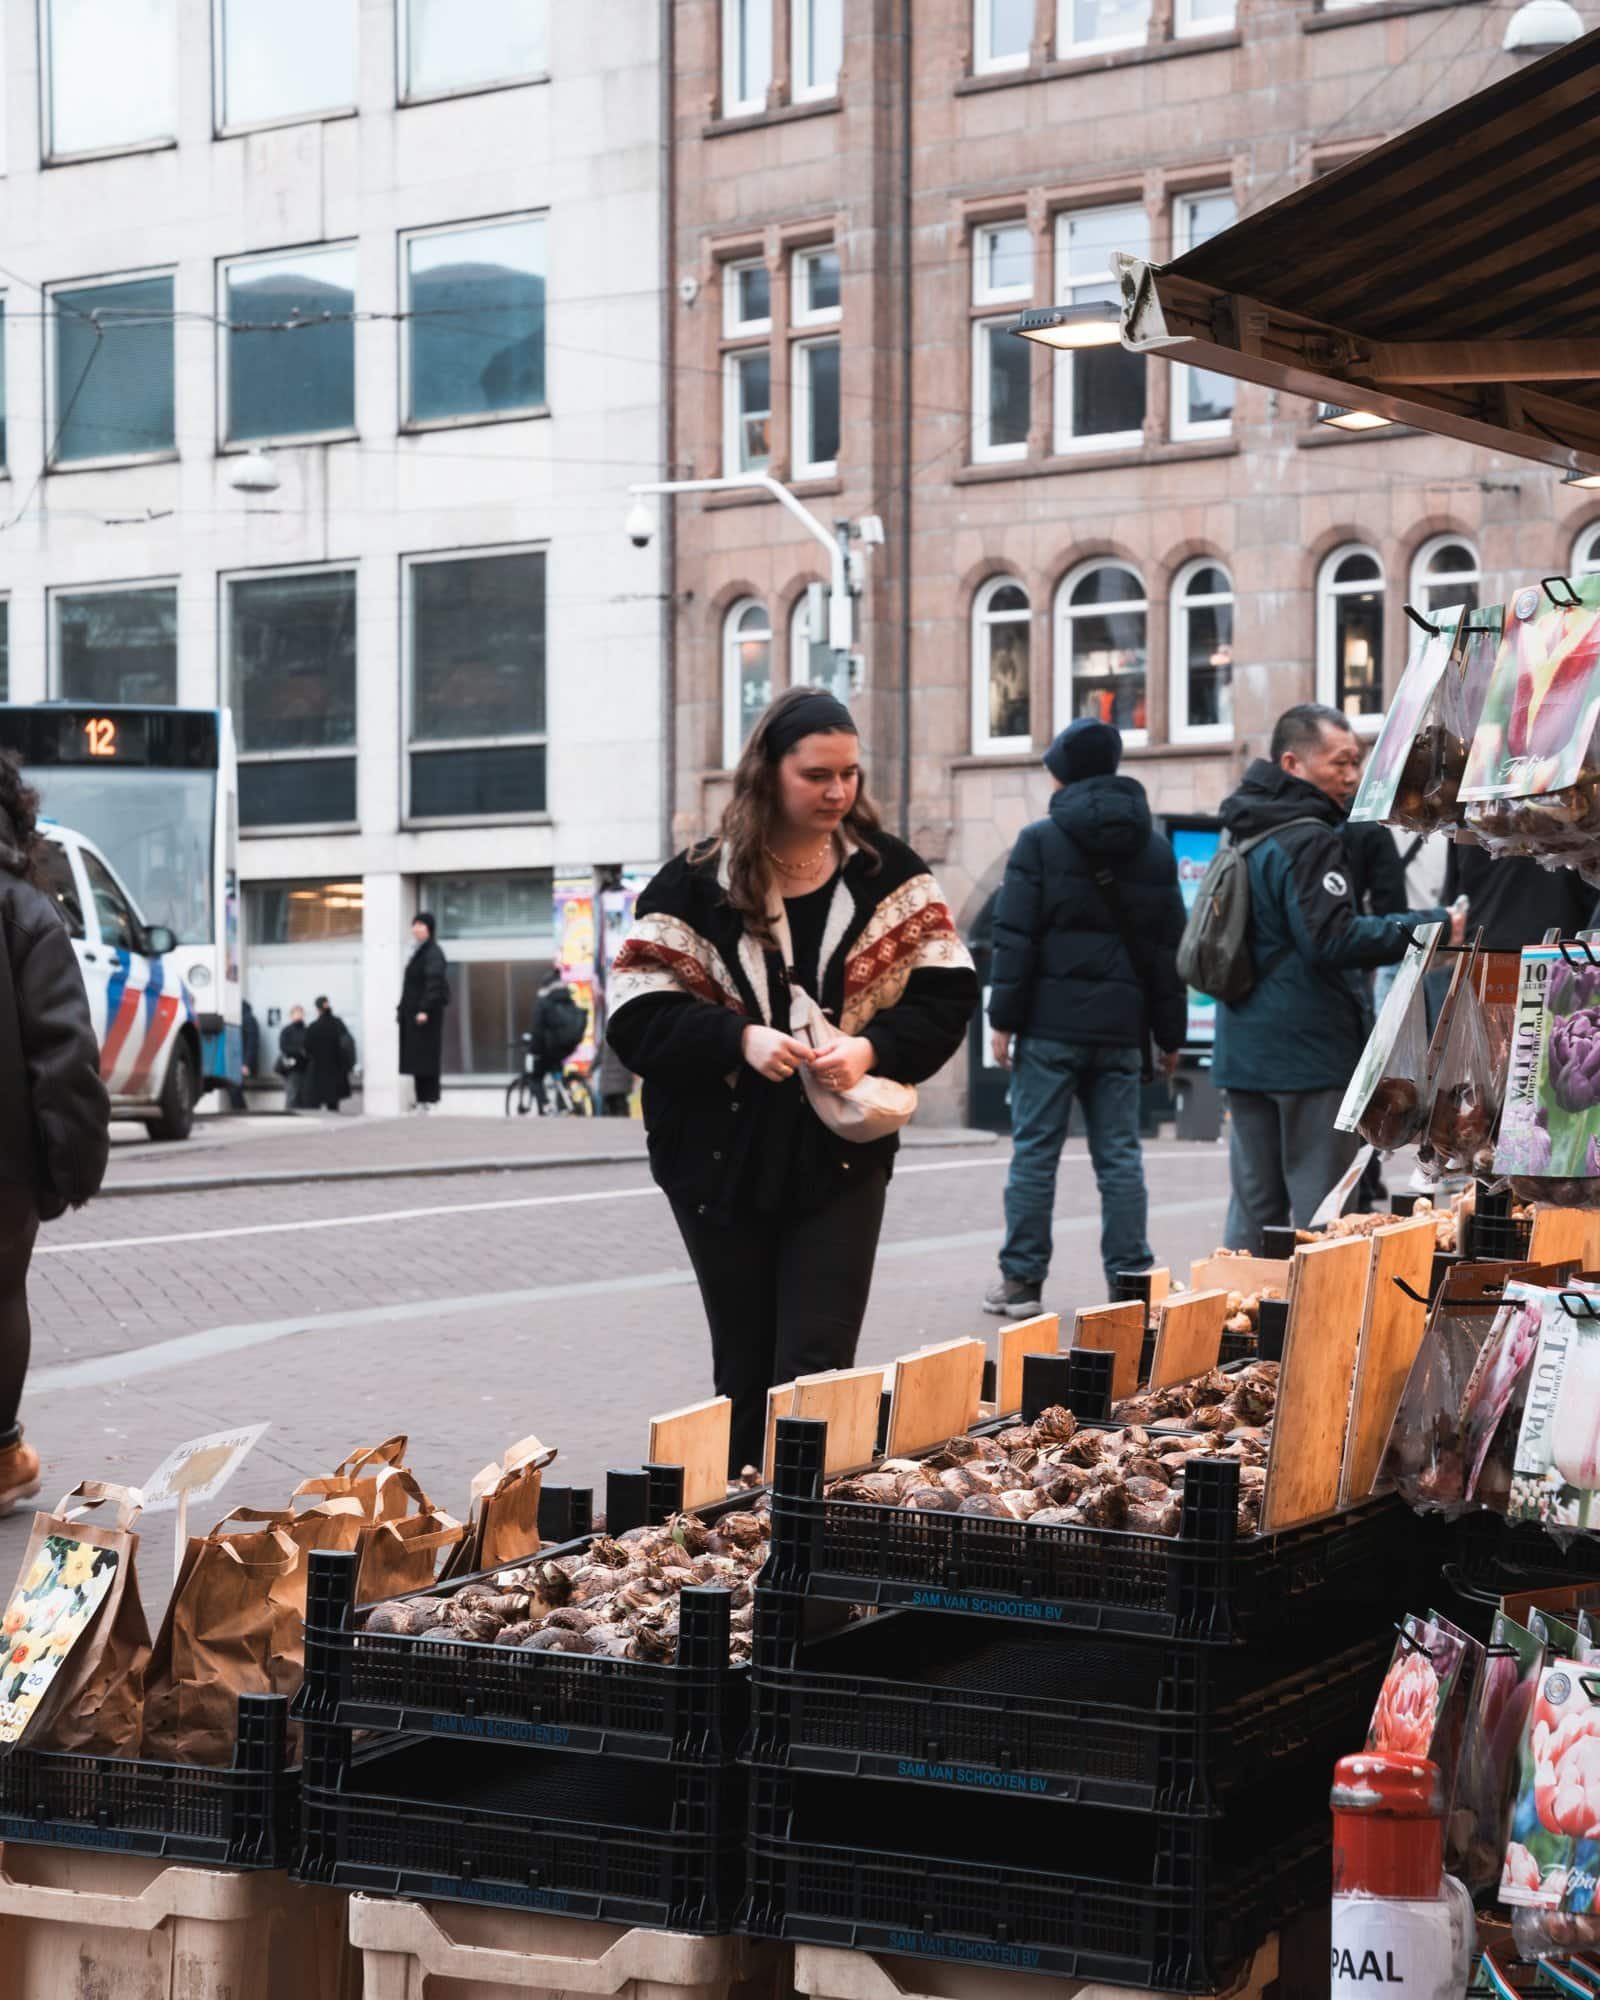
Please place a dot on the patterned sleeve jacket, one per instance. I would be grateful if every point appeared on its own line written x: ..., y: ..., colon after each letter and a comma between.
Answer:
x: 689, y: 980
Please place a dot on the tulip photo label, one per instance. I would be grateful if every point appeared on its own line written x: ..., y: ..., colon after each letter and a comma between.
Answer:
x: 1557, y: 1467
x: 1550, y: 1127
x: 52, y: 1607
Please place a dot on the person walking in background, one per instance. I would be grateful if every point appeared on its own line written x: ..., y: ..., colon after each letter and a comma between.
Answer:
x: 616, y: 1083
x: 55, y: 1115
x: 424, y: 995
x: 330, y: 1059
x: 291, y: 1063
x: 801, y: 889
x: 1084, y: 974
x: 1285, y: 1052
x: 249, y: 1055
x: 558, y: 1026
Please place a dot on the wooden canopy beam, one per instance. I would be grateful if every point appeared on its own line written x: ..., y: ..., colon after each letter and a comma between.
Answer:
x: 1483, y: 361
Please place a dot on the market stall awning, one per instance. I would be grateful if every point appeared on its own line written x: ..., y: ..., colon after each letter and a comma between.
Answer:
x: 1449, y: 279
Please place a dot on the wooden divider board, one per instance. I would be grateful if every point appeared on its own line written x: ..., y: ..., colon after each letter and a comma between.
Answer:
x: 1017, y: 1340
x: 1240, y: 1274
x: 936, y: 1395
x: 1560, y: 1233
x: 1160, y: 1285
x: 696, y: 1438
x: 1119, y: 1329
x: 1391, y: 1332
x: 1188, y: 1337
x: 780, y: 1403
x: 1327, y: 1296
x: 846, y: 1400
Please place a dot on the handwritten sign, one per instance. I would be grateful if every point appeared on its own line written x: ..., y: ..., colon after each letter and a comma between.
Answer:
x: 200, y: 1469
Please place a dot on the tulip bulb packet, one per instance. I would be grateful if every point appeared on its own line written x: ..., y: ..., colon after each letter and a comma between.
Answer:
x: 1414, y: 1711
x: 1557, y: 1802
x: 1385, y: 1102
x: 1502, y: 1366
x: 51, y: 1609
x: 1550, y: 1124
x: 1556, y: 1471
x: 1543, y: 698
x: 1489, y: 1762
x: 1405, y: 763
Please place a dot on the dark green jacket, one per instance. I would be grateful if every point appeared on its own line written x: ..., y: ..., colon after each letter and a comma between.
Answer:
x: 1307, y: 1017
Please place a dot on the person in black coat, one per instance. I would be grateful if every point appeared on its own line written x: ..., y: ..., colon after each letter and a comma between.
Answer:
x: 54, y: 1118
x: 424, y: 995
x: 291, y: 1063
x: 1084, y: 975
x: 330, y: 1057
x: 1515, y: 900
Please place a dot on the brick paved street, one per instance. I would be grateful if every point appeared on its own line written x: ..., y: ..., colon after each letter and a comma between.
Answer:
x: 465, y: 1308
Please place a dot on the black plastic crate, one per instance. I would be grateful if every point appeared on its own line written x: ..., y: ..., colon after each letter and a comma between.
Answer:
x: 602, y: 1838
x: 241, y: 1817
x: 1136, y: 1900
x: 966, y: 1704
x: 1207, y: 1582
x: 694, y: 1708
x: 1496, y: 1238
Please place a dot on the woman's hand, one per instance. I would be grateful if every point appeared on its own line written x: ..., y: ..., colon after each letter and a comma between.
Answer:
x: 844, y: 1063
x: 773, y: 1054
x: 422, y: 1020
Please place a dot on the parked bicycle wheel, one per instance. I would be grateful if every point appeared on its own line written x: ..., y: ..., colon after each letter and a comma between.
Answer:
x: 519, y: 1097
x: 580, y: 1098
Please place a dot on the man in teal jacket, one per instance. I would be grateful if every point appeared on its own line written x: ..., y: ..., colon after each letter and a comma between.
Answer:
x: 1286, y: 1052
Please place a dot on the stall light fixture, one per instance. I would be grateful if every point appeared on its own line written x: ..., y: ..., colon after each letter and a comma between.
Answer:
x: 1098, y: 324
x: 1584, y: 479
x: 1338, y: 418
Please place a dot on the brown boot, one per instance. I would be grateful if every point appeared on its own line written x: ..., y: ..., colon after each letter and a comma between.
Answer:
x: 19, y: 1475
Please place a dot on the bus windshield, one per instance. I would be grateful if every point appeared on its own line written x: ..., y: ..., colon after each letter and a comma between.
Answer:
x: 155, y: 828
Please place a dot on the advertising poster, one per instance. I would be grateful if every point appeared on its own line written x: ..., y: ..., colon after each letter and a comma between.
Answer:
x: 575, y: 946
x: 52, y: 1608
x: 1195, y: 848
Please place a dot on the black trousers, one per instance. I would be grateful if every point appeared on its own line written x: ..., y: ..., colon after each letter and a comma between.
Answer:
x: 19, y: 1225
x: 427, y: 1089
x: 785, y: 1295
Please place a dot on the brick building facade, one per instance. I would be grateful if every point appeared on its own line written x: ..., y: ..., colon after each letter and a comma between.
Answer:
x: 1087, y: 534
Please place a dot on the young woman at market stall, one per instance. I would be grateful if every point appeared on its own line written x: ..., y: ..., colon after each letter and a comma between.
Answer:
x: 802, y: 889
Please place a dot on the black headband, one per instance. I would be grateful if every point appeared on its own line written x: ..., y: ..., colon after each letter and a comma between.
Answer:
x: 816, y: 714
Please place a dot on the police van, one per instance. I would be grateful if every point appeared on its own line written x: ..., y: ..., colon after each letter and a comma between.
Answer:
x: 144, y: 1015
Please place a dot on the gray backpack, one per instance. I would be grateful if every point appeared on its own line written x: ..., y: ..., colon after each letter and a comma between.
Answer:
x: 1214, y: 951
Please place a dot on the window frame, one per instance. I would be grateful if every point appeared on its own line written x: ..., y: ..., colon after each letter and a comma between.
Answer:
x: 742, y: 329
x: 1586, y: 550
x: 733, y: 464
x: 1186, y: 28
x: 1066, y: 442
x: 7, y: 375
x: 800, y: 56
x: 404, y: 97
x: 1066, y: 613
x: 818, y: 316
x: 732, y: 737
x: 53, y: 422
x: 984, y: 61
x: 984, y: 452
x: 732, y: 105
x: 1184, y: 429
x: 56, y: 592
x: 982, y: 621
x: 346, y: 752
x: 1067, y: 47
x: 800, y: 392
x: 1418, y: 579
x: 1180, y: 602
x: 226, y: 444
x: 985, y: 294
x: 502, y: 740
x: 223, y: 127
x: 1327, y: 673
x: 48, y: 156
x: 404, y: 238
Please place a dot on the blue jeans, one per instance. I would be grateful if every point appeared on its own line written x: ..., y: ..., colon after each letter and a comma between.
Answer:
x: 1045, y: 1077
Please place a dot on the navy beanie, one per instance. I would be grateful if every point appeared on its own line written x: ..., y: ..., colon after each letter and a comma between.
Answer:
x: 1084, y: 749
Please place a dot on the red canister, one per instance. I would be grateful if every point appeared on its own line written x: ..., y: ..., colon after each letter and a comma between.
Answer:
x: 1388, y: 1826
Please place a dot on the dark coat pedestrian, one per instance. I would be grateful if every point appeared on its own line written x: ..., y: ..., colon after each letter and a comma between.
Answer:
x: 330, y: 1057
x: 424, y: 995
x: 249, y: 1039
x: 291, y: 1063
x: 1515, y: 900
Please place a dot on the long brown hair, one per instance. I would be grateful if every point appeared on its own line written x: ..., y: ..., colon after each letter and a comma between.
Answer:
x: 749, y: 817
x: 19, y: 815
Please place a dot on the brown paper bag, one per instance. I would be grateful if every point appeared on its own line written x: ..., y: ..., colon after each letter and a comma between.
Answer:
x: 398, y: 1557
x: 96, y: 1701
x: 374, y: 1476
x: 228, y: 1631
x: 505, y: 1510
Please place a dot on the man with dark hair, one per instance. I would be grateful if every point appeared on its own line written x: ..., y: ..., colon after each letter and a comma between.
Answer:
x: 1286, y: 1052
x: 330, y: 1058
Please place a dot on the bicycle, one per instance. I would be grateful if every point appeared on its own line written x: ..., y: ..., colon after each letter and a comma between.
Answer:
x: 562, y: 1093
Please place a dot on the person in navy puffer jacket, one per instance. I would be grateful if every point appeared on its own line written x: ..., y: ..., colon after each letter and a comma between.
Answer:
x: 1084, y: 976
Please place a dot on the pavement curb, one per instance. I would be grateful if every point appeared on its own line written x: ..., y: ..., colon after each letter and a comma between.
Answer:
x: 440, y: 1169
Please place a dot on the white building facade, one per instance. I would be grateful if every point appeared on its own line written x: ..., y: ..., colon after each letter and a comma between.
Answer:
x: 411, y: 251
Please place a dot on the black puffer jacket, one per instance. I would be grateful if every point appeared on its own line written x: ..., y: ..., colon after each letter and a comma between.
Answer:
x: 54, y: 1112
x: 1061, y: 969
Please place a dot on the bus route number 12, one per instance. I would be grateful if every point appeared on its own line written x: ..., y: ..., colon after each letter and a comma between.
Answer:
x: 101, y: 733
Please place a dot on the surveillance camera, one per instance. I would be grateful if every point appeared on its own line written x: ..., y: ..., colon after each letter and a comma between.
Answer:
x: 640, y: 525
x: 870, y: 529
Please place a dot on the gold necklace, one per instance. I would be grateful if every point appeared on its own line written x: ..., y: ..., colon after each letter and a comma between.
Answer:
x: 801, y: 867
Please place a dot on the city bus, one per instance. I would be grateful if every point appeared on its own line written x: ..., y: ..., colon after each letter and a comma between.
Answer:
x: 157, y: 791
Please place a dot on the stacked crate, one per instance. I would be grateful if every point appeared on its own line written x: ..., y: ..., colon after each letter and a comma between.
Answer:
x: 1087, y: 1752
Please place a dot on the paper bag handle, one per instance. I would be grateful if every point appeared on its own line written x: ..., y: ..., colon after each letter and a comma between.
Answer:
x: 287, y: 1560
x: 445, y: 1535
x: 390, y: 1452
x: 92, y: 1493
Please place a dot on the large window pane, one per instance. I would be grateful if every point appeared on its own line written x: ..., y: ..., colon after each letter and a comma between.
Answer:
x: 491, y: 1004
x: 475, y: 784
x: 112, y: 73
x: 1101, y: 394
x: 1005, y: 32
x: 292, y: 660
x: 113, y: 370
x: 118, y: 645
x: 818, y: 46
x: 746, y: 674
x: 1203, y: 648
x: 302, y: 912
x: 477, y: 320
x: 748, y: 446
x: 1103, y: 23
x: 1106, y: 621
x: 286, y: 59
x: 456, y: 44
x: 291, y: 345
x: 746, y: 54
x: 477, y: 647
x: 517, y: 905
x: 817, y: 406
x: 1005, y: 390
x: 1003, y: 710
x: 298, y: 791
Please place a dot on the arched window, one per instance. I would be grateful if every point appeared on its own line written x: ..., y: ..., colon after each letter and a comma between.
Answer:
x: 811, y: 658
x: 1586, y: 551
x: 1445, y: 571
x: 1002, y: 711
x: 1350, y: 634
x: 1102, y: 620
x: 746, y: 673
x: 1202, y: 650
